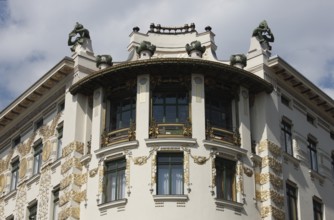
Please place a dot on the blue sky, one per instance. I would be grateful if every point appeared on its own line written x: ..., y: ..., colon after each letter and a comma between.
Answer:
x: 34, y: 36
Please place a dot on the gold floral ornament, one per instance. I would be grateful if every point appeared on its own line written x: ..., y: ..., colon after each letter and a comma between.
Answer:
x: 46, y: 151
x: 140, y: 160
x: 248, y: 171
x: 2, y: 182
x: 23, y: 168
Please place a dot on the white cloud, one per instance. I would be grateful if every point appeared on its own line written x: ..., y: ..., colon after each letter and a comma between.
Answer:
x: 34, y: 37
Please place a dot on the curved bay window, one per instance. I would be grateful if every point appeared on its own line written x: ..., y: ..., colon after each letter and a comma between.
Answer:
x: 121, y: 114
x: 218, y: 113
x: 170, y: 108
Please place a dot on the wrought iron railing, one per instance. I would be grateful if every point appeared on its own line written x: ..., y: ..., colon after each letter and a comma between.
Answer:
x: 169, y: 130
x: 119, y: 135
x: 223, y: 135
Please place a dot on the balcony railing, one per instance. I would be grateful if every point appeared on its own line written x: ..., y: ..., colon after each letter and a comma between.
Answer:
x: 223, y: 135
x: 118, y: 136
x: 170, y: 130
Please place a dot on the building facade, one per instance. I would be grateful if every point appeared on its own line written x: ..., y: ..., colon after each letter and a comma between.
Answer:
x: 170, y: 133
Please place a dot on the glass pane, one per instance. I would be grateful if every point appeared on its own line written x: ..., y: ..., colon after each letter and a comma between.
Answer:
x: 170, y: 99
x: 182, y: 99
x: 126, y: 116
x: 170, y: 114
x: 289, y: 144
x: 158, y: 100
x: 314, y: 163
x: 121, y: 185
x: 183, y: 113
x: 177, y: 180
x: 163, y: 180
x: 158, y: 113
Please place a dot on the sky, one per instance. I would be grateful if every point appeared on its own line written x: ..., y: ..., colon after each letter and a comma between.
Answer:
x: 33, y: 34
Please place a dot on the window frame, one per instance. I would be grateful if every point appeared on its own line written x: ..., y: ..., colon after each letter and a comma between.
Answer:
x: 14, y: 174
x: 60, y: 131
x: 120, y: 186
x: 172, y: 166
x: 32, y: 211
x: 38, y: 150
x: 55, y: 203
x: 286, y: 129
x: 224, y: 164
x: 317, y: 208
x: 312, y: 146
x: 292, y: 196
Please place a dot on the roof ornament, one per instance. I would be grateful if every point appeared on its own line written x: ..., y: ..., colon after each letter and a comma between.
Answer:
x: 157, y: 28
x: 195, y: 49
x: 145, y: 50
x: 78, y: 30
x: 238, y: 60
x: 103, y: 61
x: 263, y: 34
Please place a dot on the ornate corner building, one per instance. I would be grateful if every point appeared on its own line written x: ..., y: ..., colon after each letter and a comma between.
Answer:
x: 171, y: 133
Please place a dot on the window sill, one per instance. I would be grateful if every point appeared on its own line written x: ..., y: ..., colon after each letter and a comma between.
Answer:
x: 33, y: 179
x: 170, y: 198
x: 11, y: 194
x: 238, y: 207
x: 228, y: 148
x: 174, y: 142
x: 84, y: 160
x: 316, y: 175
x: 116, y: 148
x: 56, y: 164
x: 289, y: 158
x: 112, y: 204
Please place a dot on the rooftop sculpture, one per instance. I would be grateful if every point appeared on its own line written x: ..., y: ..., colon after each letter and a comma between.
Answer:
x: 263, y: 34
x: 78, y: 30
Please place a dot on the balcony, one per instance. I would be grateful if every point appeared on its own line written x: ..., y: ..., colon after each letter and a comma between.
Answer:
x: 119, y: 135
x: 170, y: 130
x: 223, y: 135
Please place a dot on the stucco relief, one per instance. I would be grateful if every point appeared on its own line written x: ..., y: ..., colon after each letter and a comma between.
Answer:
x: 275, y: 149
x: 46, y: 151
x: 264, y: 178
x: 25, y: 148
x: 2, y: 209
x: 48, y: 130
x: 73, y: 162
x: 93, y: 172
x: 23, y: 168
x: 44, y: 192
x: 274, y: 164
x: 80, y: 179
x: 21, y: 201
x: 272, y: 211
x: 70, y: 212
x: 74, y: 146
x: 2, y: 182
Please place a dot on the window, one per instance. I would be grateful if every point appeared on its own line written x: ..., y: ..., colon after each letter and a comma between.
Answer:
x: 285, y: 100
x: 38, y: 124
x: 61, y: 106
x: 37, y: 158
x: 310, y: 119
x: 331, y: 133
x: 55, y: 209
x: 225, y: 179
x: 218, y: 111
x: 170, y: 173
x: 122, y: 113
x: 287, y: 137
x: 59, y: 141
x: 15, y: 174
x: 313, y: 154
x: 32, y: 212
x: 317, y: 208
x: 16, y: 141
x: 291, y: 193
x: 332, y: 156
x: 114, y: 180
x: 170, y: 106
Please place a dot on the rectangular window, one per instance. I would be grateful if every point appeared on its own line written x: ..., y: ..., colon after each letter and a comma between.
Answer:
x: 291, y: 193
x: 332, y: 156
x: 59, y: 141
x: 38, y: 149
x: 55, y: 210
x: 32, y: 212
x: 15, y: 175
x: 170, y: 174
x: 287, y: 137
x: 285, y: 100
x: 114, y: 180
x: 313, y: 154
x: 38, y: 123
x: 317, y: 208
x: 310, y: 119
x: 16, y: 141
x: 225, y: 179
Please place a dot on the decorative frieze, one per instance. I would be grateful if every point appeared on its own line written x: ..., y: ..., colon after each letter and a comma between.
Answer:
x: 275, y: 196
x: 277, y: 213
x: 73, y: 162
x: 264, y: 178
x: 44, y: 193
x: 2, y: 182
x: 274, y: 164
x: 21, y: 201
x: 25, y: 148
x: 270, y: 146
x: 23, y: 168
x: 72, y: 195
x: 74, y: 146
x: 47, y: 148
x: 70, y: 212
x: 48, y: 130
x: 80, y: 179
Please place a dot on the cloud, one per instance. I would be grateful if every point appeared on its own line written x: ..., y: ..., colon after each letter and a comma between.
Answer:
x: 34, y: 35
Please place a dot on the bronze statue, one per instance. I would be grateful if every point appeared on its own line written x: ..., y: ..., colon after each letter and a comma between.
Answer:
x: 264, y: 34
x: 81, y: 31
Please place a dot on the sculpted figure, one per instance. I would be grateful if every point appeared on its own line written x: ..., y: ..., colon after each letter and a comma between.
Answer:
x: 81, y: 32
x: 263, y: 33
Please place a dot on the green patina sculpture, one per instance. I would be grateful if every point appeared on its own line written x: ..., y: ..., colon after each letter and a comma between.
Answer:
x: 103, y: 59
x: 238, y: 59
x: 195, y: 45
x: 263, y: 34
x: 146, y: 45
x: 78, y: 30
